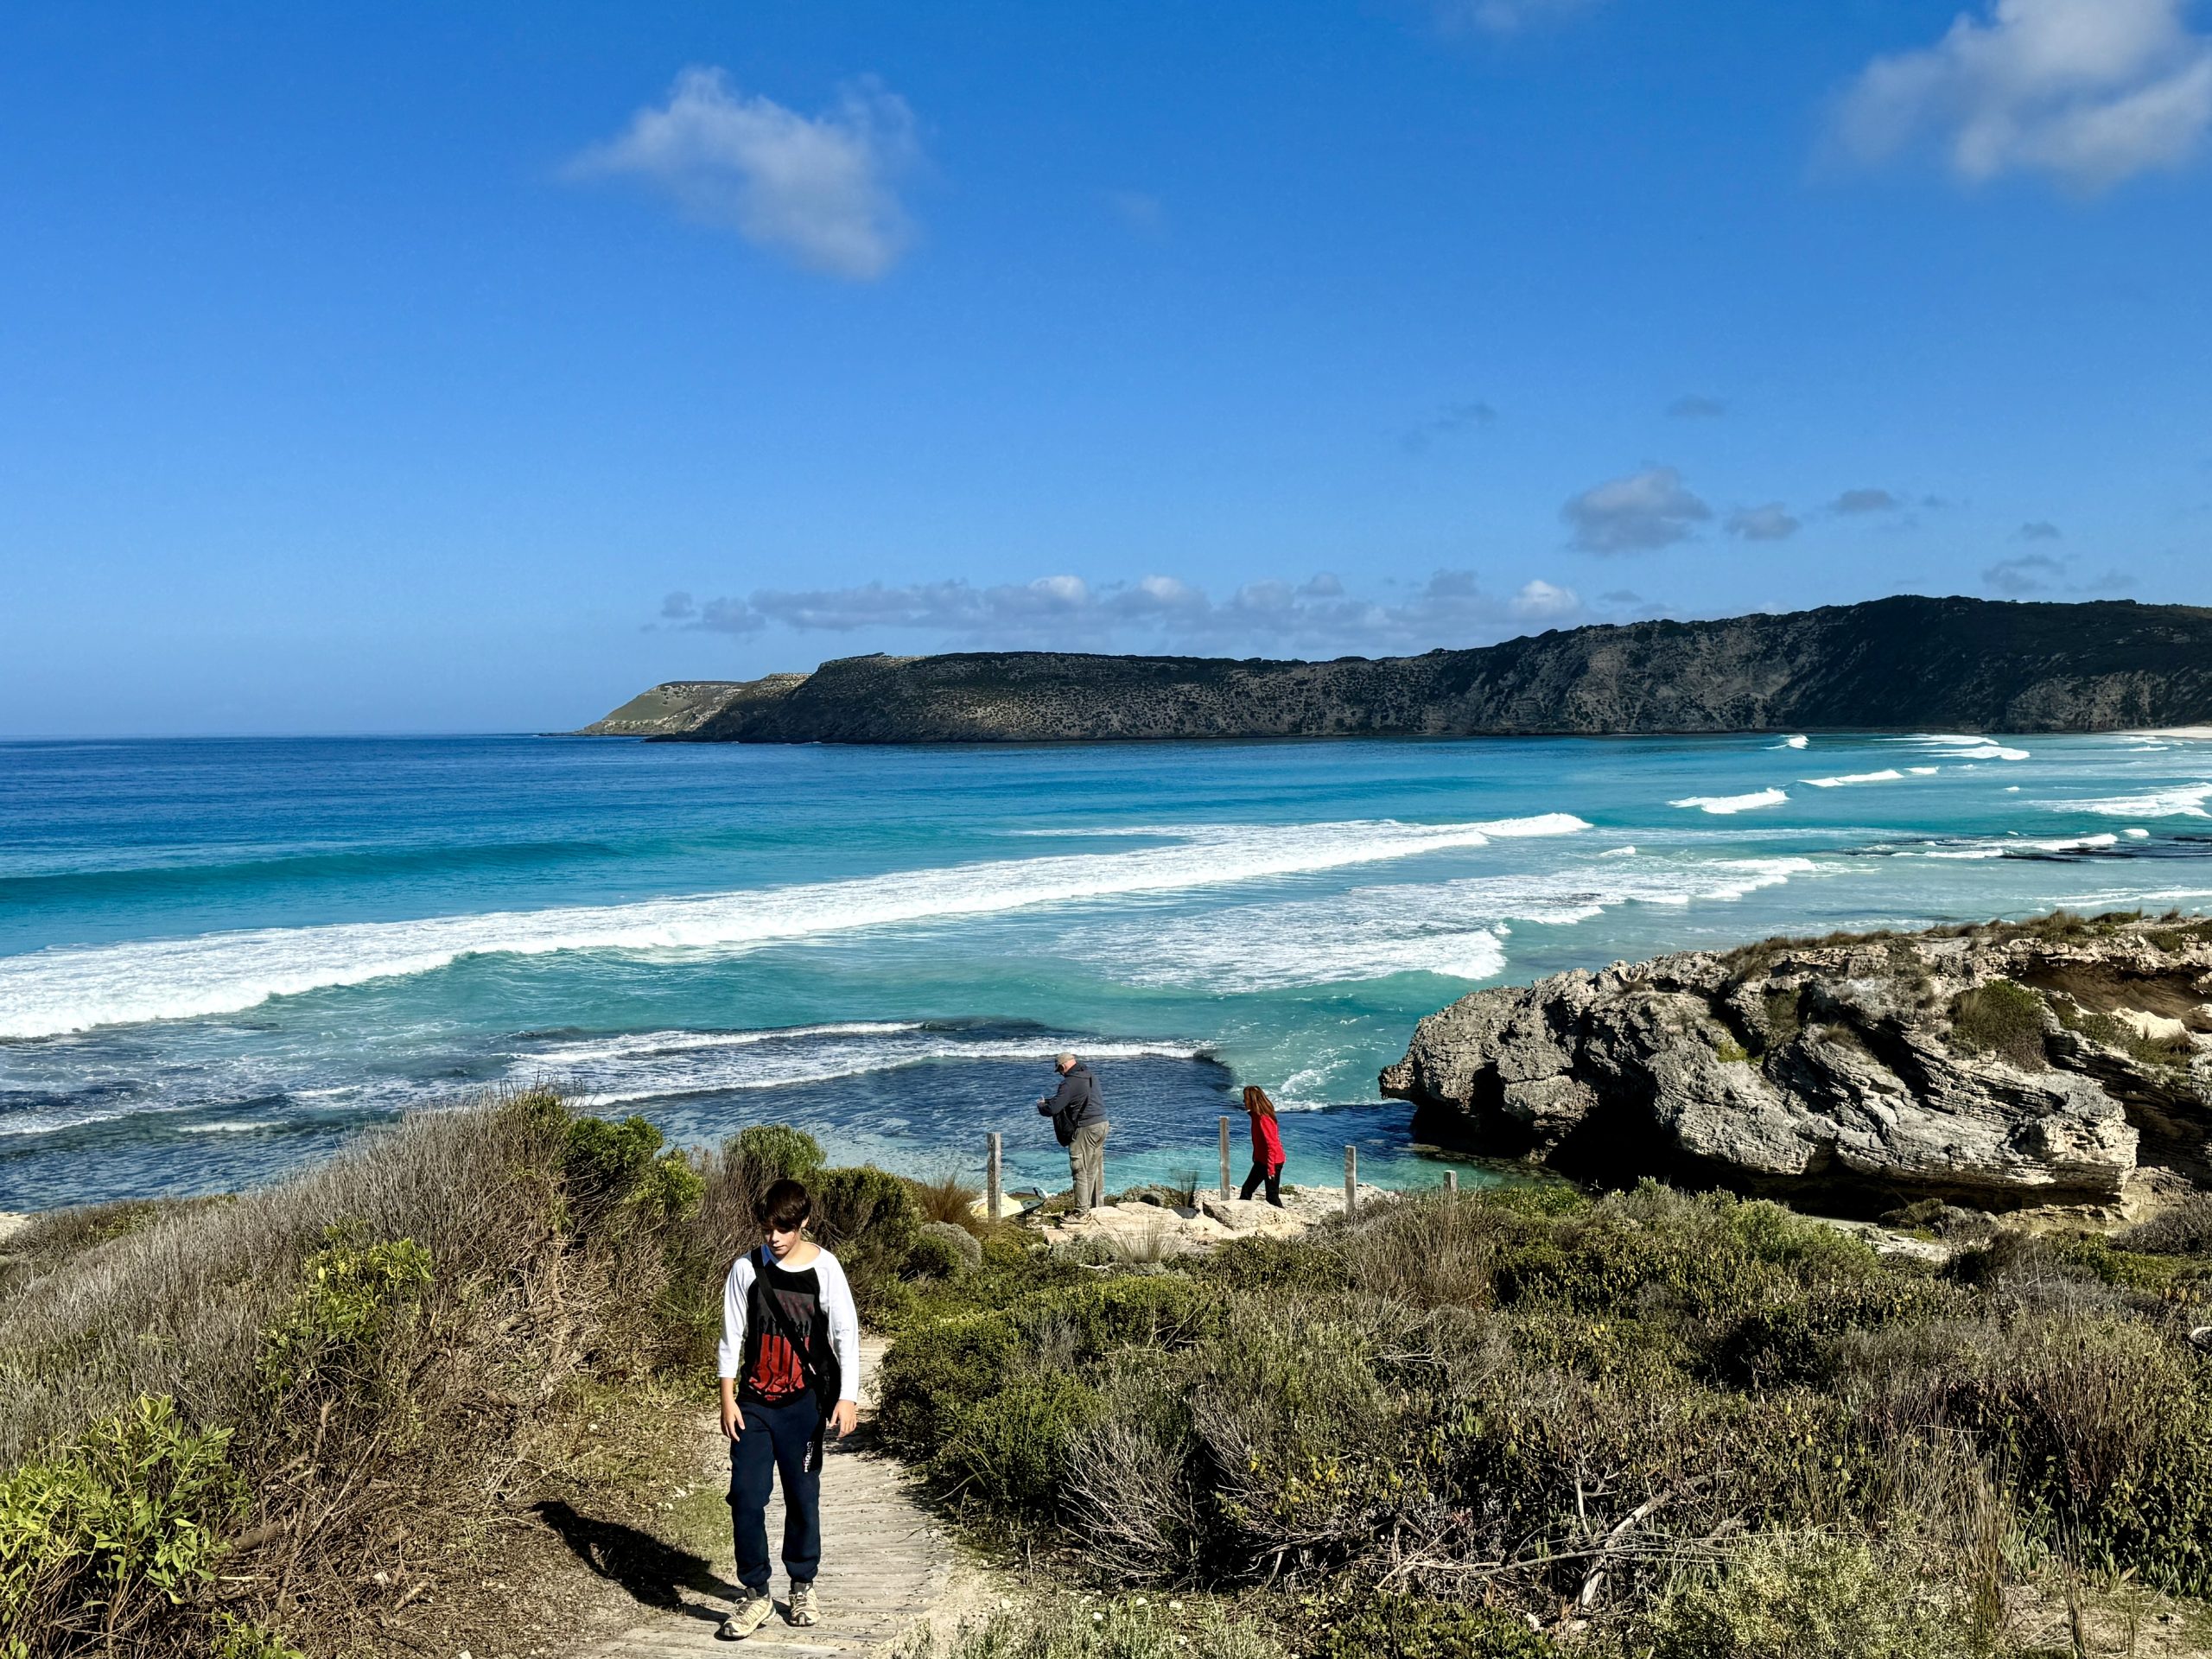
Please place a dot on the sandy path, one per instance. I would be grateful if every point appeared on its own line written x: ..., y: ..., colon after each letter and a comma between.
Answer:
x: 886, y: 1567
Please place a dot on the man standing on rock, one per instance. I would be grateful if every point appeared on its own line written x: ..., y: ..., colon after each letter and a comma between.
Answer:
x: 1078, y: 1115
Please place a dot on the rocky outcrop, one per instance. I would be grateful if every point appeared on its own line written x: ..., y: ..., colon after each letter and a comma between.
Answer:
x: 2000, y: 1066
x: 678, y: 707
x: 1948, y: 665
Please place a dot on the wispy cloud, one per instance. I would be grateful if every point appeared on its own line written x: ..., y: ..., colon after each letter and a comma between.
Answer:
x: 1141, y: 212
x: 2086, y: 92
x: 1852, y: 503
x: 1692, y: 406
x: 1507, y: 16
x: 1316, y: 615
x: 2041, y: 530
x: 1451, y: 419
x: 2047, y: 573
x: 1636, y: 514
x: 818, y: 189
x: 1771, y: 523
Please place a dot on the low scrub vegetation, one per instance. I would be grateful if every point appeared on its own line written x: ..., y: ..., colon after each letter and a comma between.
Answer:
x: 1686, y: 1427
x: 260, y: 1427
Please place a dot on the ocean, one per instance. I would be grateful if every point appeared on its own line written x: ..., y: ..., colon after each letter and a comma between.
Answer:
x: 219, y: 959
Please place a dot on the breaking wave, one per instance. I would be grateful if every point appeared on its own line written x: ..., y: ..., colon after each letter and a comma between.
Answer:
x: 54, y: 991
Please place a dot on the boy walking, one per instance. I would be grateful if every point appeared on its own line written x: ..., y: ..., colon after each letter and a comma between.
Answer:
x: 790, y: 1371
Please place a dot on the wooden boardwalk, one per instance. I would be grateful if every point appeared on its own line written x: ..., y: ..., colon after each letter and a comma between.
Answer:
x: 885, y: 1566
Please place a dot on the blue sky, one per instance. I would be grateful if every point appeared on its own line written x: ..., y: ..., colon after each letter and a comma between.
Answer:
x: 415, y: 367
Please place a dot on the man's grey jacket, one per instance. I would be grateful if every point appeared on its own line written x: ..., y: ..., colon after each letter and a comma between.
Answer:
x: 1077, y: 1102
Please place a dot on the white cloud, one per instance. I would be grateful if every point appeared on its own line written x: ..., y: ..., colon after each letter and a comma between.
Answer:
x: 2040, y: 530
x: 1506, y: 16
x: 2086, y: 92
x: 1771, y: 523
x: 1646, y: 510
x: 1316, y: 616
x: 1692, y: 406
x: 818, y: 189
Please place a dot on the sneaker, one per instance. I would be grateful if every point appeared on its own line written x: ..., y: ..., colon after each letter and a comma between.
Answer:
x: 804, y: 1610
x: 748, y: 1615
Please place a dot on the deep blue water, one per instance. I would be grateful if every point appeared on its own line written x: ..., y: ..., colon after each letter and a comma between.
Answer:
x: 219, y: 958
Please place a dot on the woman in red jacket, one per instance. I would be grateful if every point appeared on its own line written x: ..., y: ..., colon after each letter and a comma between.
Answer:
x: 1267, y: 1146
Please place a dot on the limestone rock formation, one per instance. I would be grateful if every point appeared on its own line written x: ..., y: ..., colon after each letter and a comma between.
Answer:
x: 1997, y: 1066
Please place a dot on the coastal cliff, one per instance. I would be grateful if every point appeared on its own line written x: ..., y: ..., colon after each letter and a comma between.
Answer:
x: 1996, y: 1067
x: 1904, y: 662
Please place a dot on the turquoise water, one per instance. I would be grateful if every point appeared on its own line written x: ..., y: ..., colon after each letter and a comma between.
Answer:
x: 219, y: 958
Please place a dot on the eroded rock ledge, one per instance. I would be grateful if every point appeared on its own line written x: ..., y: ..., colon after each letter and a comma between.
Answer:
x: 1998, y: 1067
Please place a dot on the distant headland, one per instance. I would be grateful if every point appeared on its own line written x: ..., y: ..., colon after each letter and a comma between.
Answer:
x: 1905, y: 663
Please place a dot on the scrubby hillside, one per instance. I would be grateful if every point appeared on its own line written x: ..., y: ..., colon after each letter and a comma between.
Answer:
x: 347, y: 1415
x: 1907, y: 663
x: 1526, y: 1423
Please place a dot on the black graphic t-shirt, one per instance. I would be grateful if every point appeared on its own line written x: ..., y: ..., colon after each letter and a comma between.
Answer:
x: 786, y: 1304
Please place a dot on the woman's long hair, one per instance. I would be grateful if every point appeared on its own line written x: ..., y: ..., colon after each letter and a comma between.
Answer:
x: 1256, y: 1101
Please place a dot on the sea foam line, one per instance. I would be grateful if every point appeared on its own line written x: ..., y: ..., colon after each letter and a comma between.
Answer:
x: 1725, y: 806
x: 49, y: 992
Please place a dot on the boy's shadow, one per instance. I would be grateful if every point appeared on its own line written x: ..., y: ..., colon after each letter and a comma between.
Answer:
x: 653, y: 1572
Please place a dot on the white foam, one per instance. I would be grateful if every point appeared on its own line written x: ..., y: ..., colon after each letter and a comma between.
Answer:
x: 1726, y: 804
x: 48, y: 992
x: 2137, y: 834
x: 1924, y: 771
x: 1791, y: 743
x: 1961, y: 746
x: 1887, y: 775
x: 596, y: 1050
x: 678, y: 1070
x: 2017, y: 843
x: 2184, y: 801
x: 1449, y: 928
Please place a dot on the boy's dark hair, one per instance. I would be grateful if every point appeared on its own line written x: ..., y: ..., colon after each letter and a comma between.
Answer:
x: 785, y: 1205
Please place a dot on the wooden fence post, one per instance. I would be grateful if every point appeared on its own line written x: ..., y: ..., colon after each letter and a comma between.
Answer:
x: 1452, y: 1182
x: 1224, y: 1157
x: 1351, y: 1180
x: 991, y: 1175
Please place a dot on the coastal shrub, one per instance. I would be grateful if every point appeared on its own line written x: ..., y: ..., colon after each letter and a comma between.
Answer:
x: 104, y: 1539
x: 950, y: 1200
x: 2184, y: 1229
x: 1009, y: 1450
x: 2106, y: 1424
x: 337, y: 1335
x: 944, y: 1250
x: 768, y: 1153
x: 237, y: 1638
x: 2003, y: 1019
x: 1415, y: 1627
x: 1091, y: 1627
x: 1782, y: 1004
x: 1804, y: 1597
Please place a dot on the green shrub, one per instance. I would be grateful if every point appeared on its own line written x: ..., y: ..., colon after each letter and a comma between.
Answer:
x: 355, y: 1301
x: 767, y: 1153
x: 2000, y: 1018
x: 1009, y: 1450
x: 1784, y: 1018
x: 2186, y: 1230
x: 1787, y: 1597
x: 1413, y: 1627
x: 236, y: 1638
x: 108, y: 1535
x: 1124, y: 1628
x: 605, y: 1163
x: 943, y: 1250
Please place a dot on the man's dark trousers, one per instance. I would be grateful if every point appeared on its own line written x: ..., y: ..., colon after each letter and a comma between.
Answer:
x: 776, y: 1438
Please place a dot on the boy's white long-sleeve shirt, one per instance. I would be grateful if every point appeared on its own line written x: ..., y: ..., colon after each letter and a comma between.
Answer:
x: 836, y: 1302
